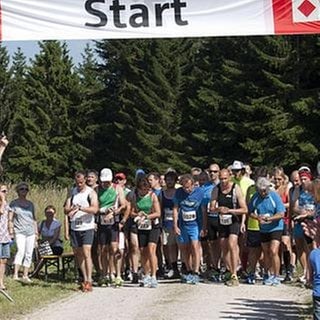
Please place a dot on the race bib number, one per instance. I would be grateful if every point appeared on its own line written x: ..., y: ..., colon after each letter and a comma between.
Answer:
x: 168, y: 214
x: 78, y: 222
x: 145, y: 225
x: 107, y: 222
x: 267, y: 215
x: 188, y: 216
x: 226, y: 219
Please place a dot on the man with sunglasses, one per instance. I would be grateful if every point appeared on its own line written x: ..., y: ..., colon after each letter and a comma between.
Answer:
x: 238, y: 170
x: 213, y: 224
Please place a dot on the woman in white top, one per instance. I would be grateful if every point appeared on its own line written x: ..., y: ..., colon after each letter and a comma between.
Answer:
x: 50, y: 228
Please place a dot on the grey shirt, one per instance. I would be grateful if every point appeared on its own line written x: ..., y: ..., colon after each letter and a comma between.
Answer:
x: 23, y: 220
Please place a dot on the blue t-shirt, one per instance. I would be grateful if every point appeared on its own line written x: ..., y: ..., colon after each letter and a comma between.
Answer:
x: 269, y: 206
x: 207, y: 187
x: 314, y: 260
x: 189, y: 206
x: 167, y: 211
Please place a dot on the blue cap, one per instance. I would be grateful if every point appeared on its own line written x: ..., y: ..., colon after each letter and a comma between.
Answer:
x: 140, y: 172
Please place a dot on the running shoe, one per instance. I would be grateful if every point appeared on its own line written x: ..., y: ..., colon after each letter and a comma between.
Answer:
x: 153, y: 282
x: 275, y: 281
x: 88, y: 286
x: 195, y: 279
x: 268, y: 281
x: 233, y: 282
x: 189, y: 278
x: 169, y: 274
x: 288, y: 277
x: 226, y: 276
x: 118, y: 282
x: 251, y: 278
x: 146, y: 281
x: 184, y: 278
x: 215, y: 276
x: 135, y: 278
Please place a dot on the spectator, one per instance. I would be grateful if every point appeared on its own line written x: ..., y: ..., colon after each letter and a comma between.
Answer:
x: 25, y: 231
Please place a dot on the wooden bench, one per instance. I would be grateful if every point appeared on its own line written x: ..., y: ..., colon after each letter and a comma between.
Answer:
x: 62, y: 263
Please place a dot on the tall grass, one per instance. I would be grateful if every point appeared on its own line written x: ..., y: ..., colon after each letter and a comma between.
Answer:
x: 42, y: 196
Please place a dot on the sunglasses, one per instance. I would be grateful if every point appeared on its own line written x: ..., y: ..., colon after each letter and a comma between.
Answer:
x: 213, y: 171
x: 119, y: 178
x: 23, y: 189
x: 50, y: 212
x: 4, y: 191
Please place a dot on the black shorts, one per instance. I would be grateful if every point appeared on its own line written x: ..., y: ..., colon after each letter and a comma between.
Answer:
x: 213, y: 228
x: 267, y: 237
x: 147, y: 236
x: 253, y: 239
x: 225, y: 231
x: 108, y: 234
x: 80, y: 238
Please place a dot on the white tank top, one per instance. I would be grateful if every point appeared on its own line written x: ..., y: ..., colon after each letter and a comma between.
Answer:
x: 81, y: 221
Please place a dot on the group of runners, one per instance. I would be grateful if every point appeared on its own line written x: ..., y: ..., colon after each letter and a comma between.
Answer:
x: 217, y: 224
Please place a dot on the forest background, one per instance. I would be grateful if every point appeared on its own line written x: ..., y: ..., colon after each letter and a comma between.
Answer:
x: 160, y: 103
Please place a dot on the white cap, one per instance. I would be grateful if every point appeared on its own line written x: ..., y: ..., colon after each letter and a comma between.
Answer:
x: 106, y: 175
x: 237, y: 165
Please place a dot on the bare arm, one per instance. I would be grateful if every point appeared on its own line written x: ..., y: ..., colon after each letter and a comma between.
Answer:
x: 156, y: 211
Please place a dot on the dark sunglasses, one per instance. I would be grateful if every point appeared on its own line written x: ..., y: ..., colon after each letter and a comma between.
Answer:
x: 118, y: 178
x: 23, y: 189
x: 4, y: 191
x: 213, y: 171
x: 50, y: 212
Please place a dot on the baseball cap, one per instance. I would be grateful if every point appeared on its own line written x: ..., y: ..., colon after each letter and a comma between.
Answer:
x: 106, y: 175
x: 237, y: 165
x: 120, y: 175
x: 140, y: 172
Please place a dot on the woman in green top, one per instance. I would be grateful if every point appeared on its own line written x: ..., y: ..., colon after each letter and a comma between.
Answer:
x: 145, y: 210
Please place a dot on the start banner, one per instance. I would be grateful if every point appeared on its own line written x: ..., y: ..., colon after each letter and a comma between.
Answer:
x: 109, y: 19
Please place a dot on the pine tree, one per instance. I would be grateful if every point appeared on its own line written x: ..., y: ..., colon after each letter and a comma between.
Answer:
x: 140, y: 119
x: 46, y: 150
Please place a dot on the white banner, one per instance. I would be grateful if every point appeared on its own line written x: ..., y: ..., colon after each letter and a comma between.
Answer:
x: 97, y: 19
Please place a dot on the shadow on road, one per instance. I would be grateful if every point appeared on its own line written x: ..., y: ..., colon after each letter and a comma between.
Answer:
x: 265, y: 309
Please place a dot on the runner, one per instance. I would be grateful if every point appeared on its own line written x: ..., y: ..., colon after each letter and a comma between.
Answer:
x: 134, y: 251
x: 92, y: 182
x: 266, y: 206
x: 228, y: 201
x: 145, y: 209
x: 240, y: 177
x: 111, y: 204
x: 303, y: 208
x: 213, y: 225
x: 154, y: 180
x: 81, y: 207
x: 170, y: 247
x: 186, y: 210
x: 253, y: 238
x: 281, y: 187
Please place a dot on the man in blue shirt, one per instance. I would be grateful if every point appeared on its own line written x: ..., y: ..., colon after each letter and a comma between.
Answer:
x: 266, y: 206
x: 186, y: 207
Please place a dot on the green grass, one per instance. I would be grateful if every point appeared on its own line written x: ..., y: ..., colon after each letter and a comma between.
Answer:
x: 30, y: 297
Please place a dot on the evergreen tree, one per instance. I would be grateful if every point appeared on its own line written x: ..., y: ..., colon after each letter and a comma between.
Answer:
x: 46, y: 150
x: 140, y: 119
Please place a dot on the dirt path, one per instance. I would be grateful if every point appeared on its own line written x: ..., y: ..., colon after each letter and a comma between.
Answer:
x: 181, y: 301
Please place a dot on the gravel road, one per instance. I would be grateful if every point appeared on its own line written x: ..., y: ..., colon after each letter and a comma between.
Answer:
x: 172, y: 300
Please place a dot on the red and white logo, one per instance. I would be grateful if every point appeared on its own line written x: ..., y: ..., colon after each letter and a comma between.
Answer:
x: 306, y: 10
x: 296, y: 16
